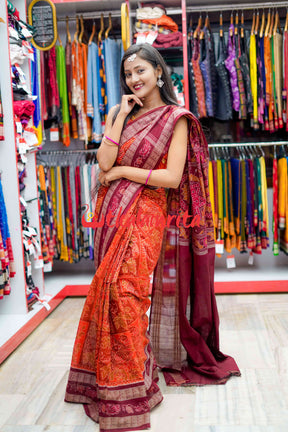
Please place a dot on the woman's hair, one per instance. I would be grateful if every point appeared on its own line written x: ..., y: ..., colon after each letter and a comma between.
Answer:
x: 151, y: 55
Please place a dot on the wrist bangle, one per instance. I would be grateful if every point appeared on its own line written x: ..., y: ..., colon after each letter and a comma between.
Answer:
x: 148, y: 177
x: 109, y: 139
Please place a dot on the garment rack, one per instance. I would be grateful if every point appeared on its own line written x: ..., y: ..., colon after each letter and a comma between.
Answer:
x: 246, y: 144
x: 43, y: 152
x: 238, y: 6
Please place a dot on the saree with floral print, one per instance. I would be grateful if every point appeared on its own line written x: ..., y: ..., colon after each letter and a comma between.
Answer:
x: 113, y: 370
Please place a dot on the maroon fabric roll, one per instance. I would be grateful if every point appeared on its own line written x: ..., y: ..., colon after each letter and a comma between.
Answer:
x: 168, y: 40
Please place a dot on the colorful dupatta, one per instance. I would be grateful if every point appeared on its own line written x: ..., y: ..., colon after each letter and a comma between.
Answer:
x: 113, y: 371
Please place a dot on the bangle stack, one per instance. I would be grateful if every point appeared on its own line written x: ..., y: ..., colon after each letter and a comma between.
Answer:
x: 148, y: 177
x: 111, y: 140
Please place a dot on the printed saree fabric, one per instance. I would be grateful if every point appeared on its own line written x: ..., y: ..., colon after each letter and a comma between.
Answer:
x: 113, y: 370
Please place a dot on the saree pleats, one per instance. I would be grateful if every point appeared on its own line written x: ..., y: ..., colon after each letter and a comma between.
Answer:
x: 112, y: 345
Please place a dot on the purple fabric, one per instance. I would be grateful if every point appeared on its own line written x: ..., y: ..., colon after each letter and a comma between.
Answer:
x: 230, y: 65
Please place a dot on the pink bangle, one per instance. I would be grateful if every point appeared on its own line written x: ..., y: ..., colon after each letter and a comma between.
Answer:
x: 148, y: 177
x: 109, y: 139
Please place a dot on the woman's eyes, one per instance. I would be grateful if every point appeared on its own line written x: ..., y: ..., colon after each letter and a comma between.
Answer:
x: 128, y: 75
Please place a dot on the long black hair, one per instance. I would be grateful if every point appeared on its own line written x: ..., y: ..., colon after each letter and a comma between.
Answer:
x: 150, y: 54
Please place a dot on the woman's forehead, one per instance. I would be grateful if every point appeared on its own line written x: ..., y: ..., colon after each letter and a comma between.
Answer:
x: 134, y: 61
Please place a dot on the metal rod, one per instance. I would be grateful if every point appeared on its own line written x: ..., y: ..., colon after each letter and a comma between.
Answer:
x: 43, y: 152
x: 238, y: 6
x: 114, y: 14
x: 259, y: 144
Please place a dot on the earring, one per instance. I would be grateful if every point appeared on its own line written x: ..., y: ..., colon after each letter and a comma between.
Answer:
x: 160, y: 83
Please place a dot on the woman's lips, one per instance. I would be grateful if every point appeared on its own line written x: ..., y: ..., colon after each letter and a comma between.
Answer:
x: 138, y: 86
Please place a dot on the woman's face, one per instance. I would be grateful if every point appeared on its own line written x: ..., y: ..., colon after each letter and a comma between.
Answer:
x: 141, y: 77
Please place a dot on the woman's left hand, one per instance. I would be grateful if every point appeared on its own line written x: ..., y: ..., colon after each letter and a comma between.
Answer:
x: 106, y: 177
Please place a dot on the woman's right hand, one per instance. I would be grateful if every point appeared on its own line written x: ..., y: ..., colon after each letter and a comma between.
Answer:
x: 128, y: 102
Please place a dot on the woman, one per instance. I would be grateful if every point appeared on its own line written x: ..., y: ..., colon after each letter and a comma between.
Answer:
x: 150, y: 145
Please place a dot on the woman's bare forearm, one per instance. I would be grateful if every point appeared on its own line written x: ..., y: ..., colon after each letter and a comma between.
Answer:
x: 108, y: 151
x: 158, y: 177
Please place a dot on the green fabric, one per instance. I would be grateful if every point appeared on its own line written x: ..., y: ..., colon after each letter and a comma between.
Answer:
x: 62, y: 84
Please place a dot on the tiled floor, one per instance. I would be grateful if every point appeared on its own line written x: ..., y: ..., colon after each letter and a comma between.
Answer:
x: 254, y: 329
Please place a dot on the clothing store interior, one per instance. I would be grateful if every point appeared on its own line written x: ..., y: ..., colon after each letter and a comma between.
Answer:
x: 60, y: 76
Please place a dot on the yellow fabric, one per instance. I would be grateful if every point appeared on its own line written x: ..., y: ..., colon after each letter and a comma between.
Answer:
x: 125, y: 27
x: 211, y: 189
x: 282, y: 191
x: 220, y: 197
x: 253, y: 77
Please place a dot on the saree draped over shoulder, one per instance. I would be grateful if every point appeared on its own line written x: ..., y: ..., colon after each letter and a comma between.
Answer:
x: 113, y: 370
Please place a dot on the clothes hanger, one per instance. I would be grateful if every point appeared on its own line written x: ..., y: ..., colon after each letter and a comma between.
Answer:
x: 207, y: 25
x: 242, y: 25
x: 58, y: 36
x: 236, y: 23
x: 82, y: 29
x: 261, y: 33
x: 109, y: 27
x: 277, y: 24
x: 286, y: 22
x: 77, y: 29
x: 221, y: 25
x: 198, y: 28
x: 257, y: 23
x: 272, y: 24
x: 268, y: 23
x: 68, y: 35
x: 93, y: 33
x: 231, y: 23
x: 101, y: 28
x: 253, y: 23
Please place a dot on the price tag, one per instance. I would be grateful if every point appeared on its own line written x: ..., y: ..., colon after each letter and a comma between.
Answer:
x: 23, y: 202
x: 38, y: 263
x: 32, y: 231
x: 150, y: 38
x: 30, y: 138
x: 54, y: 134
x: 251, y: 258
x: 26, y: 32
x: 141, y: 38
x: 230, y: 261
x: 19, y: 127
x: 48, y: 267
x: 219, y: 246
x: 13, y: 33
x: 22, y: 146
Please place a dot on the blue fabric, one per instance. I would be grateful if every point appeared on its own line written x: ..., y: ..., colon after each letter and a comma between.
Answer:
x: 112, y: 68
x: 236, y: 184
x: 35, y: 89
x: 93, y: 92
x: 3, y: 218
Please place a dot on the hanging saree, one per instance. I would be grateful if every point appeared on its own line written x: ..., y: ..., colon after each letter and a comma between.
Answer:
x: 113, y: 371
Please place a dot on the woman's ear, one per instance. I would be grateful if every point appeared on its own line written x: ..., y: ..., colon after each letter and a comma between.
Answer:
x: 159, y: 70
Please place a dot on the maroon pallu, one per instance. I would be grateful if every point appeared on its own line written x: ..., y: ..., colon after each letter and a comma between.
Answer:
x: 184, y: 322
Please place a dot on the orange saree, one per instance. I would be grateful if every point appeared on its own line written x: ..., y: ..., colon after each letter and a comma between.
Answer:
x: 113, y: 370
